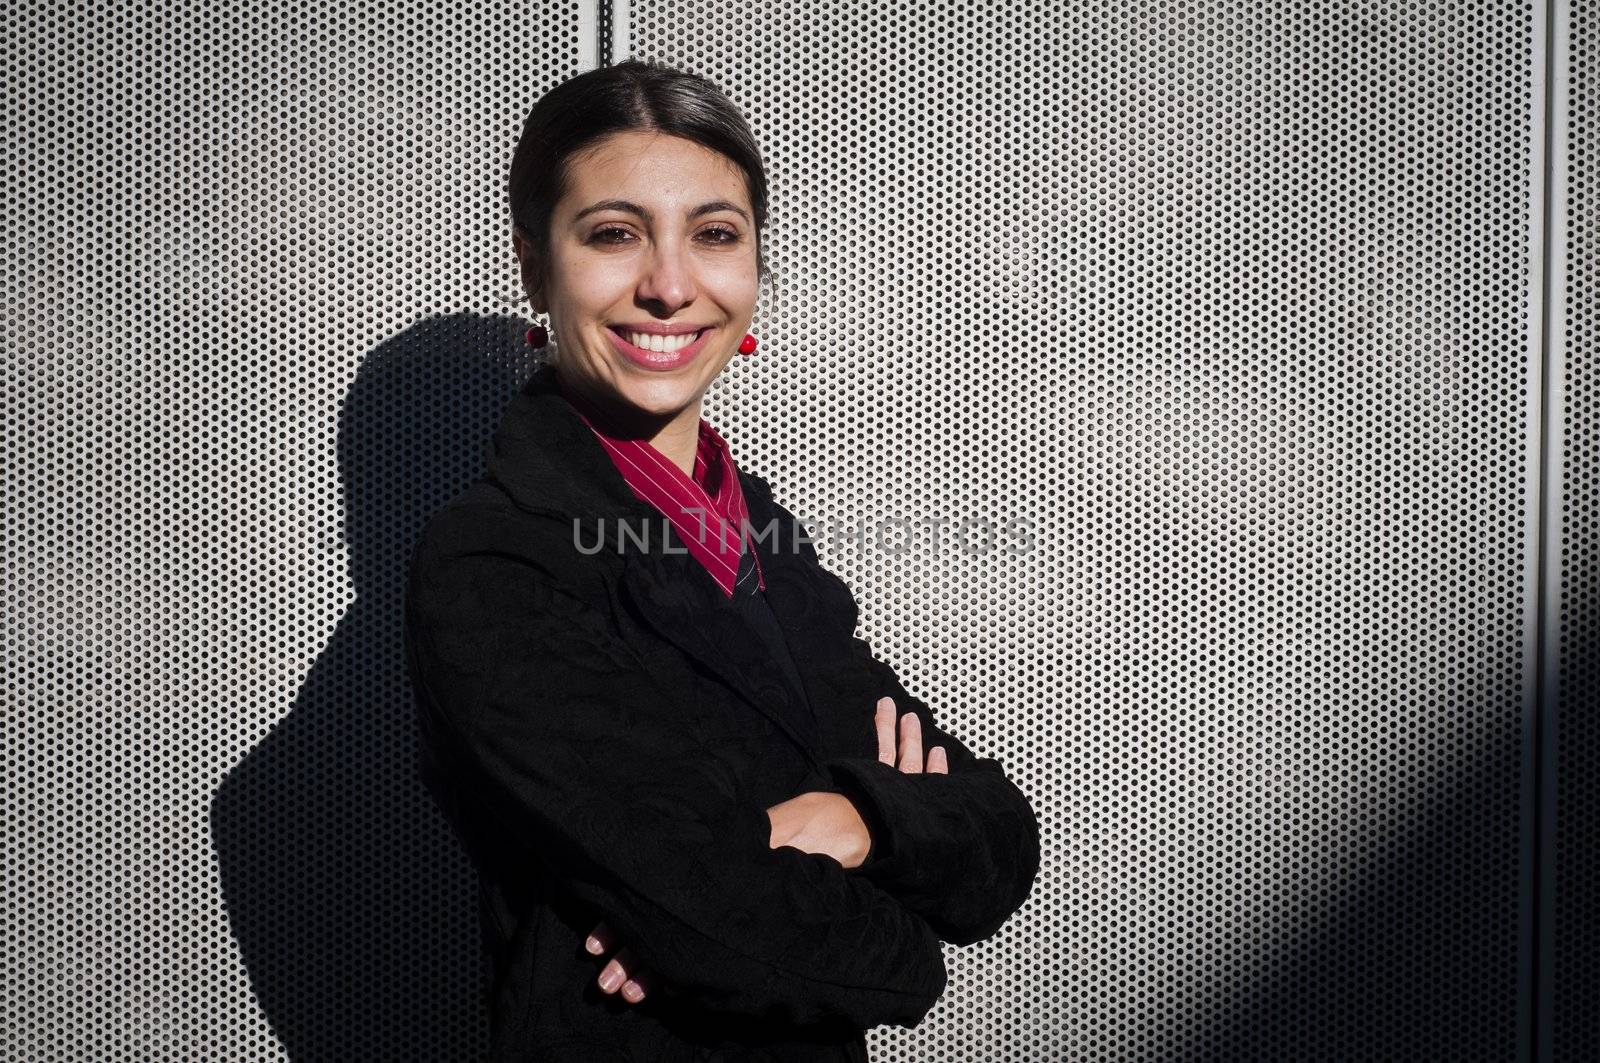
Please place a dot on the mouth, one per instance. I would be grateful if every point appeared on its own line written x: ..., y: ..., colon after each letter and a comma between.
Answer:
x: 676, y: 352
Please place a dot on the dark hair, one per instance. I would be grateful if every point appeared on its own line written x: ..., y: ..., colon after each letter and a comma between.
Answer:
x: 630, y: 95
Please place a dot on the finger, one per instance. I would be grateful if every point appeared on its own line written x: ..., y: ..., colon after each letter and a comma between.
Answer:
x: 911, y: 743
x: 619, y: 970
x: 641, y: 985
x: 884, y: 720
x: 601, y: 939
x: 939, y: 761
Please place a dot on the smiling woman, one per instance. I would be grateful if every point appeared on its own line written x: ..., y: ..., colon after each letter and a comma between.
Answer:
x: 700, y: 810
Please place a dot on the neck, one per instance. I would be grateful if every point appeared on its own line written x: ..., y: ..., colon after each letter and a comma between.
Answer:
x: 677, y: 436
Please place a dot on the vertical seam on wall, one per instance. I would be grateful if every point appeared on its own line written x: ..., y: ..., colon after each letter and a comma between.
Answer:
x: 603, y: 31
x: 1546, y: 260
x: 614, y: 31
x: 1530, y: 981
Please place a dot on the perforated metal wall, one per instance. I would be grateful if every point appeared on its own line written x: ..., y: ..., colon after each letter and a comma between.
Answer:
x: 1236, y: 305
x: 250, y: 248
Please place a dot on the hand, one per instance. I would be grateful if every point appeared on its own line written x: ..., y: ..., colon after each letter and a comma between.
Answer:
x: 818, y: 821
x: 623, y: 970
x: 910, y: 741
x: 828, y: 823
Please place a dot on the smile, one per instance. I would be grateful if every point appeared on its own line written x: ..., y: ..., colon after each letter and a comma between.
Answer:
x: 674, y: 352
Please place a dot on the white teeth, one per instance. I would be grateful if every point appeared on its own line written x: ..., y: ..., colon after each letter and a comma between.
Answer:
x: 660, y: 344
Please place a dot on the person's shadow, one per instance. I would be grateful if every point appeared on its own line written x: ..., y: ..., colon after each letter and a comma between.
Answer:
x: 353, y: 906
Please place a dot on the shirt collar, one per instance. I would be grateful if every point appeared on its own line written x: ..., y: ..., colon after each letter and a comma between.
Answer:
x: 707, y: 509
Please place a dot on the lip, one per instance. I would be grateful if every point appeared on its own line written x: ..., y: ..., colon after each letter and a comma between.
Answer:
x: 658, y: 328
x: 656, y: 361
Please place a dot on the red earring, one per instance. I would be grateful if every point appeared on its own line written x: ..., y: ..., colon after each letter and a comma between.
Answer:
x: 537, y: 336
x: 748, y: 344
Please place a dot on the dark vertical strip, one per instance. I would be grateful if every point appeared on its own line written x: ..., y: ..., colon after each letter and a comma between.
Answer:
x: 1544, y: 730
x: 603, y: 23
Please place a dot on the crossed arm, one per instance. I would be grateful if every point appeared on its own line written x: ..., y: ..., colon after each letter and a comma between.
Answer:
x: 813, y: 822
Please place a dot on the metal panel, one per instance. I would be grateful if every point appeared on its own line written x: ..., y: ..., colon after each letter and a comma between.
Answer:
x: 251, y: 248
x: 1236, y: 303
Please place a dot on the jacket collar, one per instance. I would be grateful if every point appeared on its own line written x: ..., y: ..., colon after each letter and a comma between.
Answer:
x: 549, y: 463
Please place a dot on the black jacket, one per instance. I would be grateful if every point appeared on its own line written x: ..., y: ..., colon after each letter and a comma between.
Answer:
x: 605, y: 736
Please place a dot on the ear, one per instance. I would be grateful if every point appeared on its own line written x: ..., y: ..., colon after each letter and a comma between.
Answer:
x: 529, y: 267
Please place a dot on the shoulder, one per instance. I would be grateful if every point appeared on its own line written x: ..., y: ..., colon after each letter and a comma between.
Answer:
x: 482, y: 530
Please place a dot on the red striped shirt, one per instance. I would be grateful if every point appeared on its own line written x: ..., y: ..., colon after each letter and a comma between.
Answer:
x: 708, y: 510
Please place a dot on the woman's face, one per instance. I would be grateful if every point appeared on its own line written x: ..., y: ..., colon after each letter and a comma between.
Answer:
x: 655, y: 236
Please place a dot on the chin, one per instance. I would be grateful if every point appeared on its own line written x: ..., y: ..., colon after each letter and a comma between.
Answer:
x: 661, y: 396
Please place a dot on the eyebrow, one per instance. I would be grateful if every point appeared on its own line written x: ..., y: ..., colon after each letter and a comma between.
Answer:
x: 633, y: 208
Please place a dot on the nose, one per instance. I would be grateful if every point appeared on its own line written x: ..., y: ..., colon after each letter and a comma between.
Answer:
x: 668, y: 281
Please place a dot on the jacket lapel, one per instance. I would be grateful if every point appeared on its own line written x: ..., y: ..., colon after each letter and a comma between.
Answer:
x: 817, y: 614
x: 549, y: 462
x: 688, y: 609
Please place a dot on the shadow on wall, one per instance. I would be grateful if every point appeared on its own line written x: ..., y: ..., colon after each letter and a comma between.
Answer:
x: 1417, y: 951
x: 353, y: 905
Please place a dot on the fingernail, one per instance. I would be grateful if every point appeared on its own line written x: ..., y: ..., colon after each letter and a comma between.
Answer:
x: 609, y: 980
x: 593, y: 944
x: 632, y: 991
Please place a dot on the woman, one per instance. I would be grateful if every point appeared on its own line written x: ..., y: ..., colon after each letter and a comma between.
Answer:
x: 702, y: 818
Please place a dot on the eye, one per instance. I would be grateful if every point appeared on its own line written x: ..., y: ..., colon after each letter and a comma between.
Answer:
x: 615, y: 234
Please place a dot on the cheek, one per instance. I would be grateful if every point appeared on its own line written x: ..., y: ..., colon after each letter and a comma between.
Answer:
x: 592, y: 287
x: 734, y: 283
